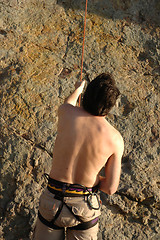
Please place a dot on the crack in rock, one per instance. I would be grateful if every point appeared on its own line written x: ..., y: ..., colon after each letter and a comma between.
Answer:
x: 146, y: 202
x: 24, y: 136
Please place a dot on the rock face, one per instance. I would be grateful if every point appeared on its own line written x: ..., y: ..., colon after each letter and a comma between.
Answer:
x: 41, y: 44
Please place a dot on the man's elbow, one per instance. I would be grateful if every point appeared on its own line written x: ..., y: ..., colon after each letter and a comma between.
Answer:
x: 111, y: 190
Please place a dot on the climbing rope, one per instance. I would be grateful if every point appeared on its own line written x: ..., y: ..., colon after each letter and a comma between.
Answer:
x: 83, y: 46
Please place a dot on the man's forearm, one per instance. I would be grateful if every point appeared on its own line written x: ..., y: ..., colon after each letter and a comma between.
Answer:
x: 72, y: 99
x: 103, y: 186
x: 106, y: 186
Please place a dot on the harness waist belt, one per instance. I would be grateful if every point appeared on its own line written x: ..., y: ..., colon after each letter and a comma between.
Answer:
x: 66, y: 189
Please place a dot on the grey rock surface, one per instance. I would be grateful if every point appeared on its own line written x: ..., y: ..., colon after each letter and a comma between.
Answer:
x: 40, y: 58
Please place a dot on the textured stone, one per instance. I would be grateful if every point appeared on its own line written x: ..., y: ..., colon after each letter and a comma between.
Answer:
x: 40, y: 58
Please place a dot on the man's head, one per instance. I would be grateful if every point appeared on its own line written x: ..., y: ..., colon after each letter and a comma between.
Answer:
x: 101, y: 95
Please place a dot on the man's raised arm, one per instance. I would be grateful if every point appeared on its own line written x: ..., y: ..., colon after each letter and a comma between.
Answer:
x: 72, y: 99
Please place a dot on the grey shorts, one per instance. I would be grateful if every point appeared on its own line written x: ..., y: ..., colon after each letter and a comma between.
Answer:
x: 48, y: 208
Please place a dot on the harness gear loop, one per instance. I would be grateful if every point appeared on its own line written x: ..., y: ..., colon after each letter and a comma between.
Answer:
x: 46, y: 175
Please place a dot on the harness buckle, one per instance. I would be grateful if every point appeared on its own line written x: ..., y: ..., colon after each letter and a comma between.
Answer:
x: 65, y: 187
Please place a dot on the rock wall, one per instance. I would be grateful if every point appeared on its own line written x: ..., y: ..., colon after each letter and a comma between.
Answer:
x: 41, y: 43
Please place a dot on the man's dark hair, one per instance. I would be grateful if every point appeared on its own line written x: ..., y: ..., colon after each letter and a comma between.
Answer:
x: 100, y: 95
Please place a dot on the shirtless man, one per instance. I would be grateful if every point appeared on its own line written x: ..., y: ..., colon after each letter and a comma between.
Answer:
x: 85, y: 143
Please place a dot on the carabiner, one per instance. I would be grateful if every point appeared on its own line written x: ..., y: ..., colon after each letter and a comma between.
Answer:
x: 89, y: 200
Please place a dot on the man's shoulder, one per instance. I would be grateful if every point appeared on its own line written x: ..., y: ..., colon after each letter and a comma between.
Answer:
x: 65, y: 107
x: 119, y: 137
x: 118, y: 142
x: 116, y: 137
x: 69, y: 111
x: 69, y: 108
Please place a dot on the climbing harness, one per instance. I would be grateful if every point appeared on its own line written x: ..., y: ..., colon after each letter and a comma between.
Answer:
x: 84, y: 31
x: 62, y: 190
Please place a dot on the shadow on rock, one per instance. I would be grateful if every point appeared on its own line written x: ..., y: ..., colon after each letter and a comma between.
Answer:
x: 138, y: 11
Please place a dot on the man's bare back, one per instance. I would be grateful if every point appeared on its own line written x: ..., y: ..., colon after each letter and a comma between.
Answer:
x: 84, y: 144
